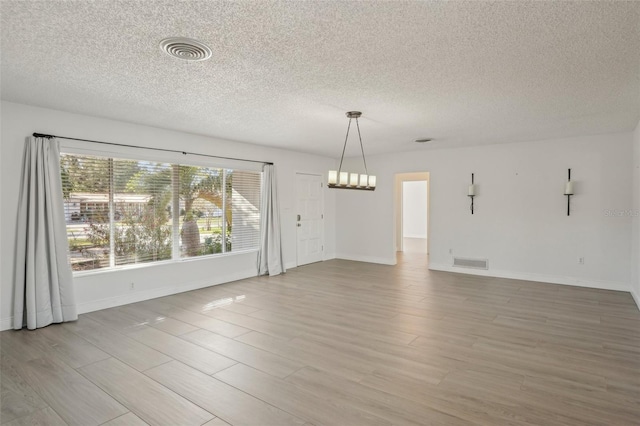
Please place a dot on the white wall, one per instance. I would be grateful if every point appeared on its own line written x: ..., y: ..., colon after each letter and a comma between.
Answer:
x: 520, y: 222
x: 102, y: 289
x: 635, y: 213
x: 414, y: 209
x: 2, y: 235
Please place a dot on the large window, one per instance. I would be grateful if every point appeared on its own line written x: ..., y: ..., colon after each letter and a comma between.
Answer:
x: 123, y: 211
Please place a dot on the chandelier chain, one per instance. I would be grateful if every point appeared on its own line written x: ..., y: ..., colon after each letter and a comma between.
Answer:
x: 364, y: 160
x: 346, y: 138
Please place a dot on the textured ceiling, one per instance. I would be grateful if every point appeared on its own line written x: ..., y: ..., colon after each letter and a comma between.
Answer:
x: 284, y: 73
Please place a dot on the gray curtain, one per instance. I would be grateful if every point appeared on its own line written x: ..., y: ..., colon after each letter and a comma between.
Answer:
x: 270, y: 259
x: 44, y: 291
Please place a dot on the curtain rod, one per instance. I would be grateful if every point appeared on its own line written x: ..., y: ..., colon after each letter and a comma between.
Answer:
x: 41, y: 135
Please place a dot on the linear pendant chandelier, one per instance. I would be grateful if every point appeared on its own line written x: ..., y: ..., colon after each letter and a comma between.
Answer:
x: 346, y: 180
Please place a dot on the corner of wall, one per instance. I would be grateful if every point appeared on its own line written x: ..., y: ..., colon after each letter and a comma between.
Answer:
x: 636, y: 298
x: 635, y: 200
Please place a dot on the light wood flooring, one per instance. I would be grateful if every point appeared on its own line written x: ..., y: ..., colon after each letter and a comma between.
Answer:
x: 340, y: 343
x: 414, y: 245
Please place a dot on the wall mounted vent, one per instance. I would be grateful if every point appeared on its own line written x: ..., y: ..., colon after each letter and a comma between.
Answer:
x: 461, y: 262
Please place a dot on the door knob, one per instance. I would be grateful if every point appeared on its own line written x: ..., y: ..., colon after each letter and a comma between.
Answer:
x: 299, y: 224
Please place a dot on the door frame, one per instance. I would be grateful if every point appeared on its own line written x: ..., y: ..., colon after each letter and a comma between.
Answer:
x: 295, y: 208
x: 400, y: 178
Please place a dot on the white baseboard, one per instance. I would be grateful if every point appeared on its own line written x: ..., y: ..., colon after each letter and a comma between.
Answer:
x: 290, y: 265
x: 294, y: 264
x: 636, y: 298
x: 552, y: 279
x: 96, y: 305
x: 139, y: 296
x: 368, y: 259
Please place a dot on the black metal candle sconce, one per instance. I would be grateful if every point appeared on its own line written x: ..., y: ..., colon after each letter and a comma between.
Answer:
x: 472, y: 191
x: 568, y: 191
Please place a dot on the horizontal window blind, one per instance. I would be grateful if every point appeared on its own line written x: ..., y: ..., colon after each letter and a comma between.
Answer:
x: 124, y: 211
x: 245, y: 208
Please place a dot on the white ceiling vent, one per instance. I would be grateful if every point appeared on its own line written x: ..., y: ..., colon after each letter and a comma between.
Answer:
x: 462, y: 262
x: 186, y: 49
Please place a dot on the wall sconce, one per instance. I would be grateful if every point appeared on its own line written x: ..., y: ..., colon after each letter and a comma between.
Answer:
x: 568, y: 191
x: 472, y: 192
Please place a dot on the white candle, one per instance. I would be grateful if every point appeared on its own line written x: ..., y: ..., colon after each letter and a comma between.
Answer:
x: 353, y: 180
x: 472, y: 190
x: 333, y: 177
x: 372, y: 181
x: 344, y: 178
x: 568, y: 188
x: 363, y: 180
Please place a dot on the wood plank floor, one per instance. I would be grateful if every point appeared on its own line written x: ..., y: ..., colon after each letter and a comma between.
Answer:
x: 340, y: 343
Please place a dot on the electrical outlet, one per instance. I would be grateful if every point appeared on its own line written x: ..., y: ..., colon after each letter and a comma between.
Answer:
x: 132, y: 286
x: 581, y: 260
x: 450, y: 251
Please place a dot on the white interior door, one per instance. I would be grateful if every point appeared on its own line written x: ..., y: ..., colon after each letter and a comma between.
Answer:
x: 309, y: 218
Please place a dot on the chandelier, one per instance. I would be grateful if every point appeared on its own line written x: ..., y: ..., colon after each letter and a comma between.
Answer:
x: 346, y: 180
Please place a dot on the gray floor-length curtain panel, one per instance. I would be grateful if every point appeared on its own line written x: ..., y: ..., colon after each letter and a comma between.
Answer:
x: 44, y: 291
x: 270, y: 259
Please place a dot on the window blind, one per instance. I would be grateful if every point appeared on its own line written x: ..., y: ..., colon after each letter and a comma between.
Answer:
x: 126, y: 211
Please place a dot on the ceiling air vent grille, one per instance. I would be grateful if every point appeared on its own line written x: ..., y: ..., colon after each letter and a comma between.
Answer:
x: 461, y: 262
x: 186, y: 49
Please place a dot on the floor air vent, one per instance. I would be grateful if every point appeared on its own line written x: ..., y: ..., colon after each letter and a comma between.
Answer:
x: 462, y: 262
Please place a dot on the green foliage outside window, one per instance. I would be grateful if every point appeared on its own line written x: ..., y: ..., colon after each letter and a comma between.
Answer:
x: 133, y: 201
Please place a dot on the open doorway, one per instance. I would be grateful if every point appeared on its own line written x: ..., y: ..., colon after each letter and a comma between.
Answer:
x: 412, y: 213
